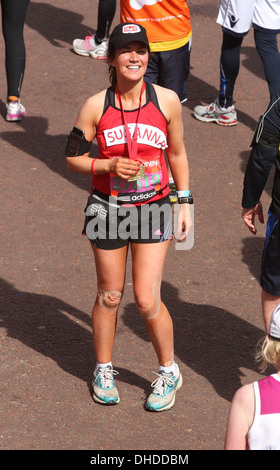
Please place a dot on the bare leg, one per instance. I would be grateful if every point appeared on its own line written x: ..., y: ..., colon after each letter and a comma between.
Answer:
x: 110, y: 267
x: 147, y: 269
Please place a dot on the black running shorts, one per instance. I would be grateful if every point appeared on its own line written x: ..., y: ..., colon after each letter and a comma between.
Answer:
x: 110, y: 224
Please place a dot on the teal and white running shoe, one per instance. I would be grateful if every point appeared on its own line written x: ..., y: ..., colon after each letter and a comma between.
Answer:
x: 104, y: 390
x: 165, y: 387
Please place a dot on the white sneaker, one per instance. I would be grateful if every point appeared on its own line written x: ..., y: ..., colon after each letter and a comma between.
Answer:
x: 15, y: 111
x: 88, y: 47
x: 214, y: 113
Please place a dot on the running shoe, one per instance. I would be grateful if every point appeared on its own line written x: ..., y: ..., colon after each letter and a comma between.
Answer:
x: 215, y: 113
x: 88, y: 47
x: 15, y: 110
x: 172, y: 193
x: 165, y: 388
x: 104, y: 390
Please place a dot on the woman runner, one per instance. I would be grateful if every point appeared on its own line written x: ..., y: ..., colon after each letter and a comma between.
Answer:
x: 133, y: 123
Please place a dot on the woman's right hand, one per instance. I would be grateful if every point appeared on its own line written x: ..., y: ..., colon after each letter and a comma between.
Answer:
x: 124, y: 167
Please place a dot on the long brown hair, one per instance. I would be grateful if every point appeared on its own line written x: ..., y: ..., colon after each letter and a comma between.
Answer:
x: 112, y: 71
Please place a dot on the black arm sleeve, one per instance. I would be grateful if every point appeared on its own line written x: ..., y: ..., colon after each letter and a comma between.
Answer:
x: 265, y: 148
x: 259, y: 165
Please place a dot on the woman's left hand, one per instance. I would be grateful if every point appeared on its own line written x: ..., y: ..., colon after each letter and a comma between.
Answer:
x: 184, y: 222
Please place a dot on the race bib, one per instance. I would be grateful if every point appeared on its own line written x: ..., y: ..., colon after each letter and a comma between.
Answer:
x: 140, y: 187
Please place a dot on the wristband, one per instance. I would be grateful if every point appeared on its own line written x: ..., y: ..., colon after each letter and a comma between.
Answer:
x: 185, y: 200
x: 92, y: 167
x: 183, y: 193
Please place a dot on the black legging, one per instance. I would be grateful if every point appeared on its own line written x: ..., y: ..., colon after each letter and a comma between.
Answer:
x: 266, y: 45
x: 229, y: 67
x: 106, y: 13
x: 13, y: 18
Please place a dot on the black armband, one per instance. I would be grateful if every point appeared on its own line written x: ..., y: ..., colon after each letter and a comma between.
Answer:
x: 76, y: 143
x: 263, y: 137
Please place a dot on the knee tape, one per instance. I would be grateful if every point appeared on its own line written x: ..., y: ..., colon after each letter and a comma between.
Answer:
x: 109, y: 300
x: 152, y: 313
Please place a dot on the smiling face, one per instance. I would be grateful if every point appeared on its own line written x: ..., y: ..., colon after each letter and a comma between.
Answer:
x: 131, y: 61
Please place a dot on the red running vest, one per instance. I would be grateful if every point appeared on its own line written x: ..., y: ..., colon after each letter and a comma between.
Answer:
x: 151, y: 142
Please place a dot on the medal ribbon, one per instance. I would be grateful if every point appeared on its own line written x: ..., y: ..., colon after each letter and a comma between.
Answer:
x: 131, y: 142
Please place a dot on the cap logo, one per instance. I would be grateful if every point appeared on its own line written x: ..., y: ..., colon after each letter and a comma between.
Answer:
x: 132, y: 28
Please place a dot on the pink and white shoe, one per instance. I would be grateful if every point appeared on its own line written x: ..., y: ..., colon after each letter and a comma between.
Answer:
x: 15, y: 110
x: 88, y: 47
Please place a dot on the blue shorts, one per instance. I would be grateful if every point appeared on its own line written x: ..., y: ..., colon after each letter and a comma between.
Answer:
x: 270, y: 272
x: 170, y: 69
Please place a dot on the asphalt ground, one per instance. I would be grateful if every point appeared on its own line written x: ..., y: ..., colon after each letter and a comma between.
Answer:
x: 48, y: 279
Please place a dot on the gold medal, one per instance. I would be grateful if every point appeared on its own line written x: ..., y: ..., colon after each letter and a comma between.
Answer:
x: 139, y: 175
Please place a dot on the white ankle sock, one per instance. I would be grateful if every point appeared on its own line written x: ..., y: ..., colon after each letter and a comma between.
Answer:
x: 99, y: 364
x: 168, y: 369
